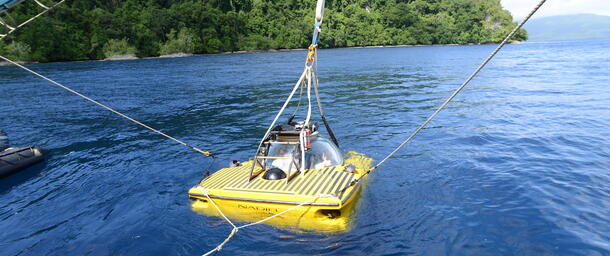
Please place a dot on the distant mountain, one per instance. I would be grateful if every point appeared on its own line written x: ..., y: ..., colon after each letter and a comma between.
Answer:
x: 569, y: 27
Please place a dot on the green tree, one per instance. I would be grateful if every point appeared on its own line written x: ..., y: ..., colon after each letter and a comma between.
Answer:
x: 181, y: 42
x: 115, y: 47
x: 86, y: 29
x: 17, y: 51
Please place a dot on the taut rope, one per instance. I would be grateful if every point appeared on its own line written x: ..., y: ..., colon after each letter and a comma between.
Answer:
x: 85, y: 97
x: 237, y: 228
x: 455, y: 93
x: 46, y: 9
x: 206, y: 153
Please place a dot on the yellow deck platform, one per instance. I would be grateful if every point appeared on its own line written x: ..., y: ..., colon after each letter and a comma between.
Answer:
x: 327, y: 208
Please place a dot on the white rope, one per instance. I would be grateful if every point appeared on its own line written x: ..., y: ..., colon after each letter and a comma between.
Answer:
x: 309, y: 78
x: 41, y: 5
x: 508, y: 37
x: 221, y: 213
x: 296, y: 86
x: 107, y: 108
x: 237, y: 228
x: 31, y: 19
x: 296, y: 110
x: 302, y: 134
x: 481, y: 66
x: 5, y: 24
x: 83, y: 96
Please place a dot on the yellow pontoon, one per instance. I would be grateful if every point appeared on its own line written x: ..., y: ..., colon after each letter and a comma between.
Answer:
x: 326, y: 209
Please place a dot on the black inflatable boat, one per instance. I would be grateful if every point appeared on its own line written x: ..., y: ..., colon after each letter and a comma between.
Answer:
x: 15, y: 159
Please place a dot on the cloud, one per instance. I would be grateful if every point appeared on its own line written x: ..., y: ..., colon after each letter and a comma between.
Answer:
x: 520, y: 8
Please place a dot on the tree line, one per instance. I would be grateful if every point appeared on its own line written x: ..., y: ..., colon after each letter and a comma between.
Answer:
x: 96, y: 29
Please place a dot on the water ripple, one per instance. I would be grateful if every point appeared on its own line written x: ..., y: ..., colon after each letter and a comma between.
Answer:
x: 517, y: 164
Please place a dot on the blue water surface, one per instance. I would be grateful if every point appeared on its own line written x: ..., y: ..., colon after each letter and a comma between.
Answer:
x: 518, y: 164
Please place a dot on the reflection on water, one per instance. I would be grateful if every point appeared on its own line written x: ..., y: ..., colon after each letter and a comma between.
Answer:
x: 16, y: 179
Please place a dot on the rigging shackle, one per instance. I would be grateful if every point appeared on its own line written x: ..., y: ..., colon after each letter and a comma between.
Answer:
x: 311, y: 56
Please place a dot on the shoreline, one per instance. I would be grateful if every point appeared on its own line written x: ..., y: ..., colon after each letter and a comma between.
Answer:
x: 182, y: 54
x: 24, y: 62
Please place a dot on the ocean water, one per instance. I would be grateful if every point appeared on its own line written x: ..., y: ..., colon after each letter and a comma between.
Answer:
x: 518, y: 164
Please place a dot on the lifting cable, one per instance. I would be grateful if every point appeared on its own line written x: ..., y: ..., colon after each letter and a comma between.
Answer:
x: 442, y: 106
x: 206, y: 153
x: 307, y: 78
x: 310, y: 59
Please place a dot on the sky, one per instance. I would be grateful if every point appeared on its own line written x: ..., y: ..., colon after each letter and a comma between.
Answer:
x: 520, y: 8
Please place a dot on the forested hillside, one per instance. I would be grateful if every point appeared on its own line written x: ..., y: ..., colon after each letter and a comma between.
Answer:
x: 95, y: 29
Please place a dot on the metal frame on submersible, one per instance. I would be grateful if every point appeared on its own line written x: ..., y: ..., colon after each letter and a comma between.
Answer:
x: 307, y: 78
